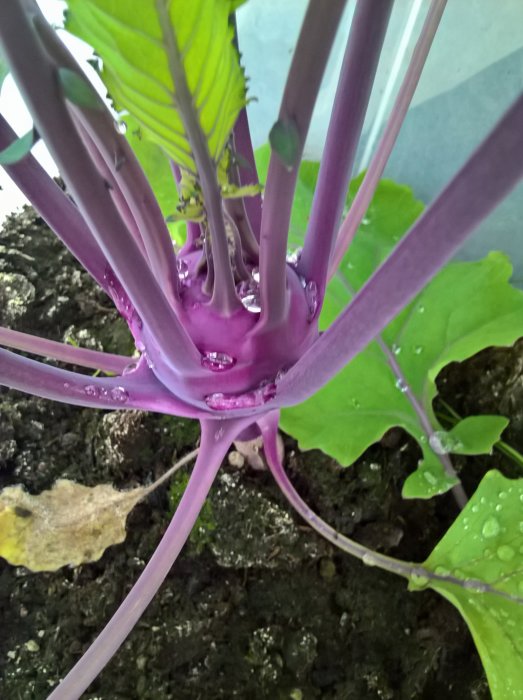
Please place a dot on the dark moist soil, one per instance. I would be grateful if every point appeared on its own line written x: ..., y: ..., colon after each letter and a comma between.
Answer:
x: 257, y: 606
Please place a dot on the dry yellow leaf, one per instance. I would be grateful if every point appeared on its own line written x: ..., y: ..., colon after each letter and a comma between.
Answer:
x: 69, y: 524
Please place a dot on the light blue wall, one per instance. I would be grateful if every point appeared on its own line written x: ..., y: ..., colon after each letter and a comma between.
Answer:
x: 474, y: 71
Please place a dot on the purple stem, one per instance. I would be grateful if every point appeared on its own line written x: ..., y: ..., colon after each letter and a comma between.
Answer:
x: 126, y: 171
x: 224, y: 298
x: 487, y: 177
x: 55, y: 207
x: 235, y: 209
x: 194, y: 238
x: 303, y: 83
x: 364, y: 195
x: 136, y: 389
x: 36, y: 77
x: 247, y: 170
x: 193, y: 241
x: 269, y: 427
x: 128, y: 174
x: 116, y: 193
x: 104, y: 361
x: 240, y: 270
x: 350, y: 105
x: 215, y: 441
x: 457, y: 491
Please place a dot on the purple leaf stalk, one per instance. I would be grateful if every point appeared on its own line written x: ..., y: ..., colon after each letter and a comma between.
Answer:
x: 227, y: 330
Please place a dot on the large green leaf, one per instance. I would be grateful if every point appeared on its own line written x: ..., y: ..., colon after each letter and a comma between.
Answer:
x: 467, y: 307
x: 170, y: 64
x: 485, y: 545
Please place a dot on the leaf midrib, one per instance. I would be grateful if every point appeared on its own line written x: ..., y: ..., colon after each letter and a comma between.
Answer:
x: 181, y: 95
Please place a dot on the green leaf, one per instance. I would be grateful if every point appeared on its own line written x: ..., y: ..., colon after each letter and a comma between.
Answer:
x: 236, y: 191
x: 285, y: 142
x: 474, y: 435
x: 485, y: 544
x: 78, y: 90
x: 365, y: 399
x: 169, y: 64
x: 19, y: 148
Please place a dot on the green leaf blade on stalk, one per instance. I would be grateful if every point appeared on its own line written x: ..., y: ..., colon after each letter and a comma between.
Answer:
x: 485, y: 544
x: 19, y: 148
x: 78, y: 90
x: 285, y: 142
x: 138, y: 73
x: 473, y: 435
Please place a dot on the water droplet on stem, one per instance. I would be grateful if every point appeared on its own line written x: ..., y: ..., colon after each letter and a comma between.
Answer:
x: 217, y: 361
x: 183, y: 269
x: 311, y: 296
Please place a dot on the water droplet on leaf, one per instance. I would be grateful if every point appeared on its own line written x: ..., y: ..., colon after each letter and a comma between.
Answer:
x: 430, y: 478
x: 442, y: 442
x: 505, y: 552
x: 490, y: 528
x: 474, y: 585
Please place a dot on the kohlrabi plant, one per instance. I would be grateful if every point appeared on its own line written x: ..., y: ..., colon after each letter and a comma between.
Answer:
x: 226, y: 323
